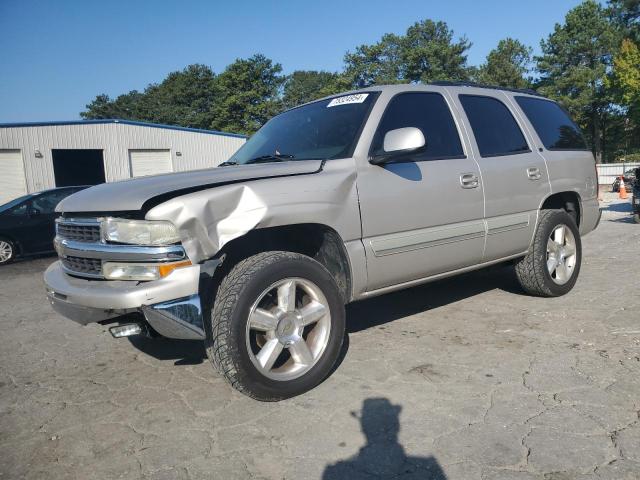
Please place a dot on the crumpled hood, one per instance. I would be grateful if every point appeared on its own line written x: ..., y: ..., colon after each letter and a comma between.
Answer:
x: 131, y: 195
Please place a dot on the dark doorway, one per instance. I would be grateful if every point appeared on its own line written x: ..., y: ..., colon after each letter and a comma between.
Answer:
x: 78, y: 167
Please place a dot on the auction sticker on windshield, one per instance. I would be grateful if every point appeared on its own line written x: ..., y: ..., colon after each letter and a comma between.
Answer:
x: 347, y: 99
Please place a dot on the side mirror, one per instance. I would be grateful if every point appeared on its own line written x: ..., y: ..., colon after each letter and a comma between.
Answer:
x: 400, y: 142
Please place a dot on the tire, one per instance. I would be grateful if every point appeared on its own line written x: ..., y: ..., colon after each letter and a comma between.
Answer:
x: 533, y: 270
x: 7, y: 251
x: 636, y: 217
x: 260, y: 287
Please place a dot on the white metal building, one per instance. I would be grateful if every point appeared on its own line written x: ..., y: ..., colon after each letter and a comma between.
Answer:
x: 37, y: 156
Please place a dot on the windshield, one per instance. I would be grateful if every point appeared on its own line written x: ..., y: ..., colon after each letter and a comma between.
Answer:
x: 14, y: 202
x: 321, y: 130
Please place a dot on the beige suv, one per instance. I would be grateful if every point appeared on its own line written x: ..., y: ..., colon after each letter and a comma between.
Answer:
x: 331, y: 202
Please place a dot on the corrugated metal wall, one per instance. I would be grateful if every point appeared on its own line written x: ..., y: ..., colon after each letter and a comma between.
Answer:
x: 198, y: 150
x: 608, y: 172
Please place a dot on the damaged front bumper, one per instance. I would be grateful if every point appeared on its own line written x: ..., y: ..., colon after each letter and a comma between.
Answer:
x: 170, y: 305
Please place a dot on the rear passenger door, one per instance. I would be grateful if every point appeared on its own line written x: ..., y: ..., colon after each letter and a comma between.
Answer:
x: 560, y: 142
x: 515, y: 177
x: 419, y: 217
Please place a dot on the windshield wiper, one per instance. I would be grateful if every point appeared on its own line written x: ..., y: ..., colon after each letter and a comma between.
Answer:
x: 228, y: 163
x: 270, y: 158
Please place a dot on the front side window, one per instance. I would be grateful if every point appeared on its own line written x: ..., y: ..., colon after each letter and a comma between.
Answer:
x: 552, y: 124
x: 326, y: 129
x: 495, y: 129
x: 428, y: 112
x: 19, y: 210
x: 46, y: 203
x: 15, y: 203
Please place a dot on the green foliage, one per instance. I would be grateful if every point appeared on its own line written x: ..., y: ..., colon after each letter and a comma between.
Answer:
x: 576, y: 59
x: 427, y: 52
x: 626, y: 14
x: 127, y: 106
x: 247, y: 95
x: 183, y: 98
x: 585, y: 64
x: 507, y: 65
x: 626, y: 74
x: 304, y: 86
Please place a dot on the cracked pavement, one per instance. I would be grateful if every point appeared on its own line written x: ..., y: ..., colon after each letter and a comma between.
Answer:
x: 466, y: 378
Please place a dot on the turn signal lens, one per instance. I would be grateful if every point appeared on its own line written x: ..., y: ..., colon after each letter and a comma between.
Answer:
x: 140, y: 271
x: 167, y: 268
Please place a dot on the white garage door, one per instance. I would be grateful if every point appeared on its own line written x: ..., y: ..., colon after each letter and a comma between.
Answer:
x: 149, y: 162
x: 12, y: 181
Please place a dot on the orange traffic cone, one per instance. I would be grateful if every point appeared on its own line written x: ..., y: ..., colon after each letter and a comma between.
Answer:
x: 622, y: 190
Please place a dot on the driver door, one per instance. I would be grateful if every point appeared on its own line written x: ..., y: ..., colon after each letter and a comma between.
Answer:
x: 40, y: 227
x: 423, y: 215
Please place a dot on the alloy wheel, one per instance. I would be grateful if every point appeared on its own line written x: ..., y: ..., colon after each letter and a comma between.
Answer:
x: 561, y: 254
x: 6, y: 251
x: 288, y: 329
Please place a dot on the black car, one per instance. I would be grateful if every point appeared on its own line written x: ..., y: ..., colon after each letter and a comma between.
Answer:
x: 27, y: 224
x: 629, y: 180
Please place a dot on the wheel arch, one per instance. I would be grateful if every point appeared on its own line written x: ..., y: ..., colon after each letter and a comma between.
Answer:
x: 315, y: 240
x: 568, y: 201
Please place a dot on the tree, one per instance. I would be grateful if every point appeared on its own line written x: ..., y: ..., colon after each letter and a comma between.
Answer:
x: 626, y: 73
x: 429, y: 53
x: 248, y: 95
x: 507, y: 65
x: 626, y: 14
x: 379, y: 63
x: 126, y: 106
x: 426, y: 53
x: 625, y: 83
x: 303, y: 86
x: 576, y: 60
x: 183, y: 98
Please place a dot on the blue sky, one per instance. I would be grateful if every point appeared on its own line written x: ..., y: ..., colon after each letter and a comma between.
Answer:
x: 56, y: 56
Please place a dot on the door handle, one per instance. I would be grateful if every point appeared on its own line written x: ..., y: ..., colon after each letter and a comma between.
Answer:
x: 533, y: 173
x: 468, y: 180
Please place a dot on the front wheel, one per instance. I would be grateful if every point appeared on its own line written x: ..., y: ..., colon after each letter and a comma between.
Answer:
x: 277, y: 325
x: 551, y: 267
x: 7, y: 251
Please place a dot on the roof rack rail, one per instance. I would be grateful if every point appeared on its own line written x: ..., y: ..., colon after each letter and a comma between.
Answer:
x: 448, y: 83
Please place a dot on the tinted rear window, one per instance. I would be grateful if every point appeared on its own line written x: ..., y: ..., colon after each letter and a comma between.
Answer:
x: 428, y: 112
x: 552, y: 124
x: 495, y: 129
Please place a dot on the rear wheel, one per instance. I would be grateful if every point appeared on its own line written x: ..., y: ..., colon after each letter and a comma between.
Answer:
x: 551, y: 267
x: 277, y: 325
x: 7, y: 251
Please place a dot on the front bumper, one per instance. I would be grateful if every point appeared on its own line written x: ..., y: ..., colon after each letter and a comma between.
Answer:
x: 171, y: 305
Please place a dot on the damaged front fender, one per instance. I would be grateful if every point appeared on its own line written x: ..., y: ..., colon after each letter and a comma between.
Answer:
x: 209, y: 219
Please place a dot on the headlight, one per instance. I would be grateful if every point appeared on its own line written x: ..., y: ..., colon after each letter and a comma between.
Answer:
x: 140, y: 271
x: 139, y: 232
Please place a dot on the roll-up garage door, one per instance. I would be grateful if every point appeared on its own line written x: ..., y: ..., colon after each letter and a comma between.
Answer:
x: 13, y: 183
x: 149, y: 162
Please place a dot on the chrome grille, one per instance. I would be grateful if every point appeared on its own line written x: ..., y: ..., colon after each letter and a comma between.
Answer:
x: 83, y: 266
x: 79, y: 232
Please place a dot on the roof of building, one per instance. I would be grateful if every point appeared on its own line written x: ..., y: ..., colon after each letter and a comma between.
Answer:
x: 117, y: 120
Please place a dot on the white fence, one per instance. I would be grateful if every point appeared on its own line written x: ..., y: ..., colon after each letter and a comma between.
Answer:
x: 607, y: 172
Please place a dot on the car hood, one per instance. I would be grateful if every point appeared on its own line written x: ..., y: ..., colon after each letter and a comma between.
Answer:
x: 131, y: 195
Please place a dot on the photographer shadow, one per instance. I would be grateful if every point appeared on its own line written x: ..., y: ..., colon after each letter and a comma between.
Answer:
x: 383, y: 456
